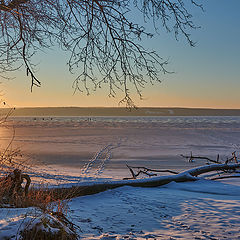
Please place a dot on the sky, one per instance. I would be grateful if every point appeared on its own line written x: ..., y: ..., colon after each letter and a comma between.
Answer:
x: 205, y: 76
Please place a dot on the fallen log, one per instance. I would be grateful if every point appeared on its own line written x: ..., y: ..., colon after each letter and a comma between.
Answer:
x: 82, y: 189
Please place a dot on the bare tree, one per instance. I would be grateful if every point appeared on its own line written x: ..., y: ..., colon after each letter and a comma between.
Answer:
x: 104, y: 41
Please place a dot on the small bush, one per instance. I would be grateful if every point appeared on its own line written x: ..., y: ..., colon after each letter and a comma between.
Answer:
x: 47, y: 227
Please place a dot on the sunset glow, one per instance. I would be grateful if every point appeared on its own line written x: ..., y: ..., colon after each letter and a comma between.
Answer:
x: 204, y: 76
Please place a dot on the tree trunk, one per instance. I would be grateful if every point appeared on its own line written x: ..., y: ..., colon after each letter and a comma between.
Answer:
x: 92, y: 188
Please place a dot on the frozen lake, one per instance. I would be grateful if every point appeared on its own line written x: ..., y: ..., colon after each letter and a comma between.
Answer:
x: 156, y: 142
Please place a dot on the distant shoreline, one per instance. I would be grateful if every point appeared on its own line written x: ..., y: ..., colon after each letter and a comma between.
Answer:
x: 102, y: 111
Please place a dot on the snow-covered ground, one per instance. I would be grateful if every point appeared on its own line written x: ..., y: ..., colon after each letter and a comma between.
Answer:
x: 194, y: 210
x: 63, y: 150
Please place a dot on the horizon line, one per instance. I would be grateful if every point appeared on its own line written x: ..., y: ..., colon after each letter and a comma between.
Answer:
x: 121, y: 107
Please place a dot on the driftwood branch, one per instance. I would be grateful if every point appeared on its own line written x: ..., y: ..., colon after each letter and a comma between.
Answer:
x: 145, y: 171
x: 191, y: 157
x: 92, y: 188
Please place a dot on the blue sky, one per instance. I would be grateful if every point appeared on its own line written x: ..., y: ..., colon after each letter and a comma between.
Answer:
x: 204, y: 76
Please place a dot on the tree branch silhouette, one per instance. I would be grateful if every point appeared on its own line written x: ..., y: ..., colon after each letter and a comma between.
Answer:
x: 104, y: 42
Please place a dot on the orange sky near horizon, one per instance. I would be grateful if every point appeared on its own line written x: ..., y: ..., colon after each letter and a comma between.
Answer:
x: 206, y: 76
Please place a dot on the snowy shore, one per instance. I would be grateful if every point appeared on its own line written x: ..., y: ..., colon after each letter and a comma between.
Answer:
x: 196, y: 210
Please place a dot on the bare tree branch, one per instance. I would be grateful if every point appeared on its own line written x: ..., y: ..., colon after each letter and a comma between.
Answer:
x: 146, y: 171
x: 190, y: 158
x: 104, y: 42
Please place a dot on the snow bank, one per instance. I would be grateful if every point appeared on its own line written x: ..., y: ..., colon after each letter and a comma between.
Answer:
x: 193, y: 210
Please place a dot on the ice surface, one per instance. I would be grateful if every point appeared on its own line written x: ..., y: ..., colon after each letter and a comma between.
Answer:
x: 155, y: 142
